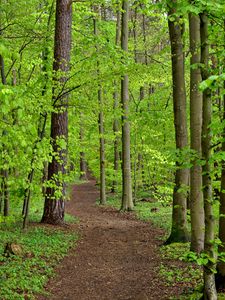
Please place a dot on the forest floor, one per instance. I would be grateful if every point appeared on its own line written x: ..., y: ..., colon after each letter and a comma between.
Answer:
x: 116, y: 258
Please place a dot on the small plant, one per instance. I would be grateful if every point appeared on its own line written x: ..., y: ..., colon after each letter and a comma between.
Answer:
x: 188, y: 275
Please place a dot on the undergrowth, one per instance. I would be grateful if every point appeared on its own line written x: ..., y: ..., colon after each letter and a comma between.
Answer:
x: 186, y: 275
x: 42, y: 247
x: 24, y: 275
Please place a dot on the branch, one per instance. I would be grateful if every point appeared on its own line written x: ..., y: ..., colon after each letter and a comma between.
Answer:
x: 60, y: 95
x: 14, y: 61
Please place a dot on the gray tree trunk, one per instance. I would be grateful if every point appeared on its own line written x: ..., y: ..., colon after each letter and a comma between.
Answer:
x: 220, y: 276
x: 209, y: 277
x: 101, y: 132
x: 116, y: 121
x: 196, y: 197
x: 102, y: 149
x: 127, y: 201
x: 83, y: 164
x: 179, y: 231
x: 4, y: 172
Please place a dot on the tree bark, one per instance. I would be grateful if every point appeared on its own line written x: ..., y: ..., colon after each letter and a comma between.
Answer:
x: 136, y: 154
x: 209, y: 269
x: 102, y: 149
x: 5, y: 171
x: 115, y: 106
x: 127, y: 201
x: 179, y: 232
x: 54, y: 207
x: 83, y: 164
x: 220, y: 276
x: 196, y: 197
x: 101, y: 133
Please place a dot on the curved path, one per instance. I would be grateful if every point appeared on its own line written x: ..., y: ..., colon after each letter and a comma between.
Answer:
x: 115, y: 259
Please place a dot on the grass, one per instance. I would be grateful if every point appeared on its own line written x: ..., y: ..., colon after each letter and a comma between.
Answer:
x: 155, y: 212
x: 24, y: 275
x: 189, y: 274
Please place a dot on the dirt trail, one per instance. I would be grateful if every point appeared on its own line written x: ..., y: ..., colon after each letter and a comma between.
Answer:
x: 115, y: 259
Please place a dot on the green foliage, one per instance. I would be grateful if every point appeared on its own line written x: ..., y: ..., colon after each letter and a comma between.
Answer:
x: 201, y: 259
x: 26, y: 45
x: 157, y: 213
x: 177, y: 273
x: 43, y: 247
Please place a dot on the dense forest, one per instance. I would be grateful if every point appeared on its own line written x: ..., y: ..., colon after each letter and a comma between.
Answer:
x: 130, y: 94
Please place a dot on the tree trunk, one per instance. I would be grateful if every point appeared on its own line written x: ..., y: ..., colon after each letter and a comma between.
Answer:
x: 116, y: 121
x: 196, y: 197
x: 179, y: 231
x: 136, y: 154
x: 54, y: 207
x: 83, y: 164
x: 5, y: 171
x: 27, y: 193
x: 102, y: 149
x: 127, y: 201
x: 101, y: 133
x: 209, y: 269
x: 220, y: 276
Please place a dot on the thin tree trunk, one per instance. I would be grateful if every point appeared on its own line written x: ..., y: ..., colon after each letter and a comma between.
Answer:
x: 196, y: 197
x: 116, y: 144
x: 5, y: 171
x: 115, y: 107
x: 127, y: 201
x: 40, y: 133
x: 54, y: 207
x: 209, y: 269
x: 145, y: 60
x: 136, y: 165
x: 102, y: 150
x: 179, y: 231
x: 27, y: 193
x: 220, y: 276
x: 101, y: 133
x: 83, y: 165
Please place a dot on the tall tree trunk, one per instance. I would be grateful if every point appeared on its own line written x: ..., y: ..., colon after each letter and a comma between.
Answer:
x: 220, y: 276
x: 209, y: 269
x: 102, y: 149
x: 27, y: 193
x: 101, y: 133
x: 179, y: 231
x: 54, y: 207
x: 83, y: 165
x: 135, y: 145
x: 127, y: 201
x: 5, y: 171
x: 115, y: 106
x: 196, y: 197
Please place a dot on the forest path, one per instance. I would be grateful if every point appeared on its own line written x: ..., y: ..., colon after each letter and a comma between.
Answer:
x: 115, y: 259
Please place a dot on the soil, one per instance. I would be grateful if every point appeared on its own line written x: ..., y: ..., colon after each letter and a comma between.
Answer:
x: 116, y: 258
